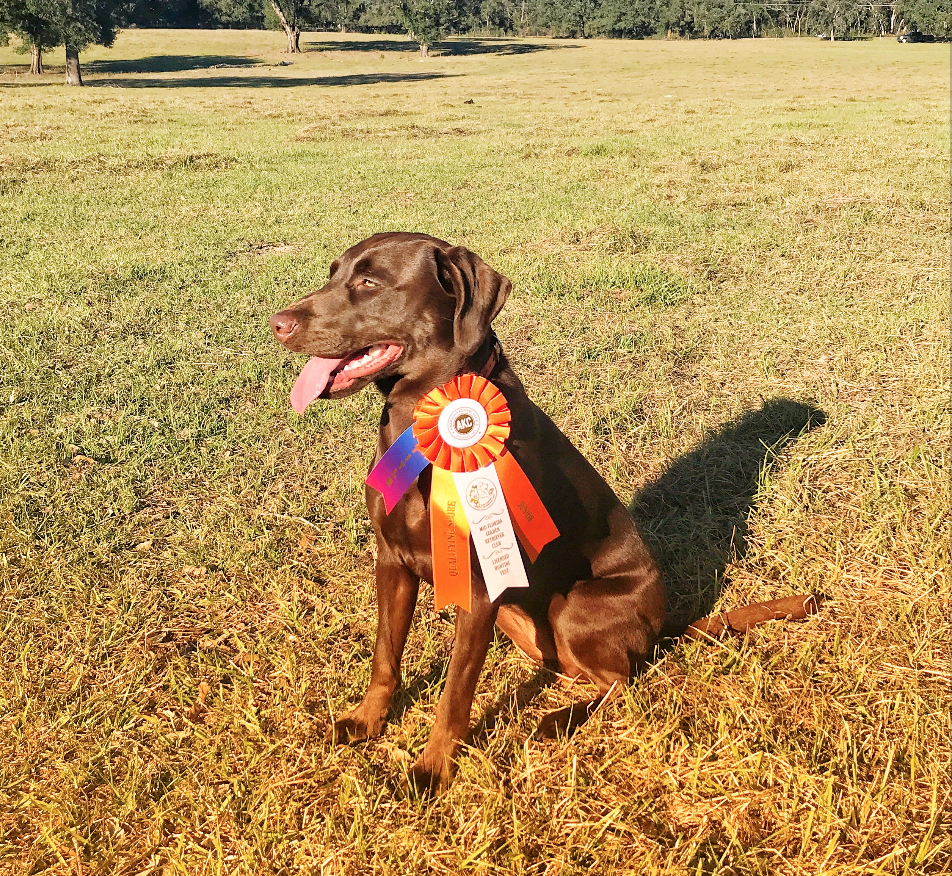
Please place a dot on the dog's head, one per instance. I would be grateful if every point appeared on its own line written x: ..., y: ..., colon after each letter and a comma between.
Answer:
x: 396, y: 305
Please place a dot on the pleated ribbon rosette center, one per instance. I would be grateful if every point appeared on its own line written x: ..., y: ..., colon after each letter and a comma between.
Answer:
x: 463, y: 425
x: 478, y: 490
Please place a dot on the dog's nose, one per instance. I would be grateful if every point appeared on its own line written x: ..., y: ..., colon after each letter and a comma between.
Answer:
x: 284, y: 325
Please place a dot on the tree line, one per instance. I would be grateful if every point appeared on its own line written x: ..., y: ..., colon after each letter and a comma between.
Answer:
x: 42, y: 25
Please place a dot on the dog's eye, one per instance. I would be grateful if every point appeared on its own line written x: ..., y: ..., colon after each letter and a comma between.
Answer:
x: 367, y: 283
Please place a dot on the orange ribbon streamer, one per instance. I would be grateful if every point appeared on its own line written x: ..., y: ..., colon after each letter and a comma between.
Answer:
x: 532, y: 522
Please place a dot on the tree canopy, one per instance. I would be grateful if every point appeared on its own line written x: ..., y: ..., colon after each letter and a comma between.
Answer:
x: 75, y: 24
x: 291, y: 16
x: 428, y: 21
x: 31, y: 22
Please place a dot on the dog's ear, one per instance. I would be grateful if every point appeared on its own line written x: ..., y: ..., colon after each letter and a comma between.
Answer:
x: 480, y: 294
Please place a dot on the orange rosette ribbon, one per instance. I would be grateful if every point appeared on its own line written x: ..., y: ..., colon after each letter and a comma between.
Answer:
x: 461, y: 428
x: 462, y: 455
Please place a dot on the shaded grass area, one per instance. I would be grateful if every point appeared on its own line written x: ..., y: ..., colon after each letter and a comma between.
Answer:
x: 169, y: 63
x: 447, y: 47
x: 273, y: 81
x: 731, y: 267
x: 695, y: 513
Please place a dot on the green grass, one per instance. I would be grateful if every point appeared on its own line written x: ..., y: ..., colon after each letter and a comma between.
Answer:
x: 706, y: 241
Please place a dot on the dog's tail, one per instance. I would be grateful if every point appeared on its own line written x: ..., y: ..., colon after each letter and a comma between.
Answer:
x: 739, y: 620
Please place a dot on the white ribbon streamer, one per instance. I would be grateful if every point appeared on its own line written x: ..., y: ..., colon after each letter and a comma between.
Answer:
x: 490, y: 525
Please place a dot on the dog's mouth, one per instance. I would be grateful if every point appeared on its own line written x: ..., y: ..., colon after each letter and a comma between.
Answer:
x: 322, y: 377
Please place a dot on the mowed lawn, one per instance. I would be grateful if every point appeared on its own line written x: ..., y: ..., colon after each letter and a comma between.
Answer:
x: 731, y: 275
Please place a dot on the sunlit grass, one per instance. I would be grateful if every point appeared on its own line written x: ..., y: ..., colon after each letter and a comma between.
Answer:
x: 693, y: 230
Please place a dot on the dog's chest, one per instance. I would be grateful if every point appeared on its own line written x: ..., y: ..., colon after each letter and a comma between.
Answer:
x: 405, y: 532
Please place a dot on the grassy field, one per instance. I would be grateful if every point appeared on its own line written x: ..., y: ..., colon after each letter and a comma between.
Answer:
x: 731, y: 272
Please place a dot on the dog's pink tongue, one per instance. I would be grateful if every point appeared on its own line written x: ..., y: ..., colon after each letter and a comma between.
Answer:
x: 311, y: 381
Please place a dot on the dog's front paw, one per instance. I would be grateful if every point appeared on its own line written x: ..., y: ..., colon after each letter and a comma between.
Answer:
x: 354, y: 727
x: 427, y: 780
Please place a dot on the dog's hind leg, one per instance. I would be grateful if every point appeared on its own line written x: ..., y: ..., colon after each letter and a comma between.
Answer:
x: 603, y: 635
x: 564, y: 722
x: 397, y: 589
x: 532, y: 639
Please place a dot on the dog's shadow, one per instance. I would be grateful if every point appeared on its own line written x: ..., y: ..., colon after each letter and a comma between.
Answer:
x: 694, y: 514
x: 694, y: 518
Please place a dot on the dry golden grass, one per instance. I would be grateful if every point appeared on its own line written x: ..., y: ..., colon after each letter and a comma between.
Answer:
x: 731, y: 274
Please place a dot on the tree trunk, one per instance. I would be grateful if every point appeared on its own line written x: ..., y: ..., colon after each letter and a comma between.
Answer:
x: 73, y: 74
x: 292, y: 31
x: 36, y: 59
x: 424, y: 50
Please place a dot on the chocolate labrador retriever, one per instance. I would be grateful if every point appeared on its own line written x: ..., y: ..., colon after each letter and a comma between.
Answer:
x: 409, y: 312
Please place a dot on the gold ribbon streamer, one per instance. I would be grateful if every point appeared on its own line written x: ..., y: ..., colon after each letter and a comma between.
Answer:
x: 449, y: 540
